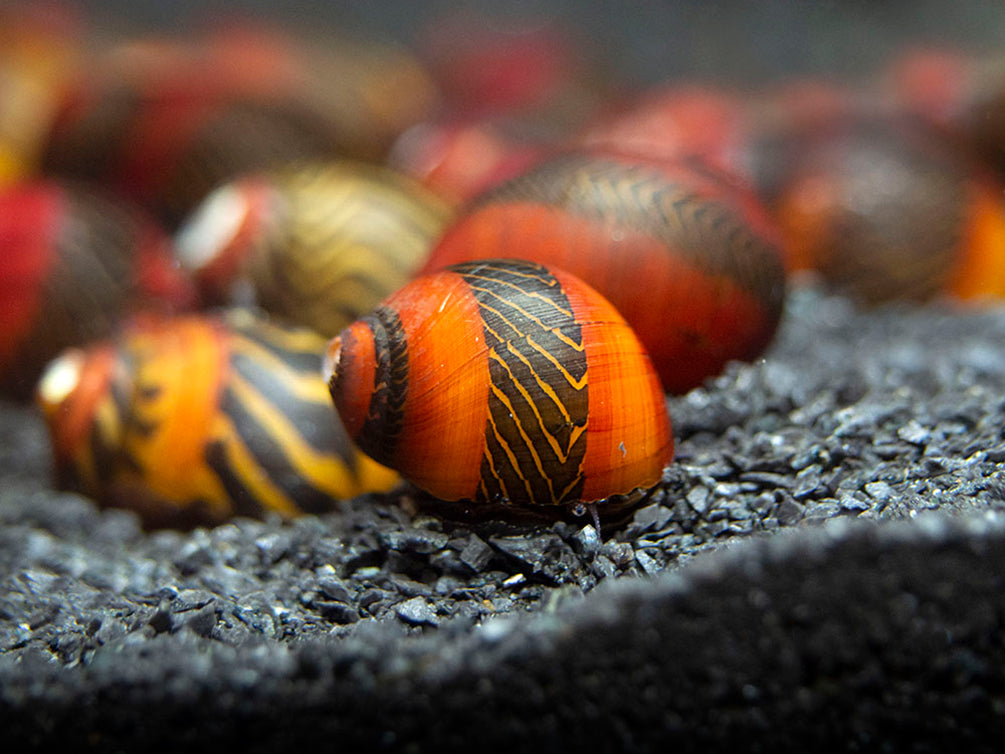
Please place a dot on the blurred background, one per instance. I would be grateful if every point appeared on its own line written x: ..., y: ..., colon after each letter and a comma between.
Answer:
x: 641, y: 40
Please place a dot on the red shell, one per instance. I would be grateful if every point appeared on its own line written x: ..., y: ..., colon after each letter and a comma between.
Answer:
x: 459, y: 160
x: 686, y: 255
x: 163, y: 122
x: 485, y: 64
x: 71, y: 262
x: 674, y: 120
x: 503, y: 382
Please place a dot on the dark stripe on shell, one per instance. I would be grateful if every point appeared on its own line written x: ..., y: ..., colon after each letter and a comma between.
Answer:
x: 312, y: 420
x: 710, y: 235
x: 386, y: 414
x: 269, y: 453
x: 538, y: 402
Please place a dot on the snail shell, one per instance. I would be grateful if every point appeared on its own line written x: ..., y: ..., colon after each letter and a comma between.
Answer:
x: 883, y: 211
x: 319, y: 245
x: 164, y: 122
x: 72, y: 261
x: 503, y: 382
x: 194, y: 419
x: 674, y: 121
x: 688, y: 257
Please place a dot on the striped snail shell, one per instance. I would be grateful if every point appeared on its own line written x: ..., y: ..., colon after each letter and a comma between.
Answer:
x: 506, y: 383
x: 163, y: 122
x: 320, y: 244
x: 689, y: 257
x: 194, y: 419
x: 72, y: 261
x: 883, y: 210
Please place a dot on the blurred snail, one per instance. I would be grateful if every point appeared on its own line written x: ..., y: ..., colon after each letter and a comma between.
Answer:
x: 318, y: 244
x: 960, y: 94
x: 533, y: 65
x: 673, y: 120
x: 505, y: 383
x: 885, y: 210
x: 459, y: 159
x: 72, y: 261
x: 38, y: 50
x: 687, y: 256
x: 195, y: 419
x: 164, y: 122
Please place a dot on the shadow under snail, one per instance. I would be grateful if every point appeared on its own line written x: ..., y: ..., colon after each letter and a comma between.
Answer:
x: 505, y: 384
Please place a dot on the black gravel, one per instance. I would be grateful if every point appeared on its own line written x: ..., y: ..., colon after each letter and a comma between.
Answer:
x: 822, y: 568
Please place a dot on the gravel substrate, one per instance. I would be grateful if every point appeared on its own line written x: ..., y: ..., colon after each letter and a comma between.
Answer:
x: 822, y: 568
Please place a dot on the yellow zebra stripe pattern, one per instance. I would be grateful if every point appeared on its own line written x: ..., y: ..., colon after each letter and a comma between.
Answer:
x: 535, y: 438
x: 352, y: 234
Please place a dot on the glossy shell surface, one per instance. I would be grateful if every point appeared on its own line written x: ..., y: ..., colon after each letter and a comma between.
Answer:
x: 503, y: 382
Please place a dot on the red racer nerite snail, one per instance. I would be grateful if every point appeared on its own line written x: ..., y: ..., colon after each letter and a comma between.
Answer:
x: 195, y: 419
x: 687, y: 256
x: 505, y: 383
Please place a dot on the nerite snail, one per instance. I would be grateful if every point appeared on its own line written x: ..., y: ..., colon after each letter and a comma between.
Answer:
x: 164, y: 121
x: 505, y: 383
x: 883, y: 210
x: 72, y: 261
x: 319, y: 244
x: 196, y: 419
x: 688, y: 257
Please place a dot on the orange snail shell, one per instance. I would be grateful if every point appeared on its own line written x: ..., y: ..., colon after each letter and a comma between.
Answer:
x: 503, y: 382
x: 194, y: 419
x: 695, y: 239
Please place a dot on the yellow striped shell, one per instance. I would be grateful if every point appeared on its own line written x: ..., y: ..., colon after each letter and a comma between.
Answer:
x: 319, y: 244
x: 194, y: 419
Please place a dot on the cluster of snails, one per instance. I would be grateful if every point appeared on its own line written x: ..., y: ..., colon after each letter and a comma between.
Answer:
x: 242, y: 276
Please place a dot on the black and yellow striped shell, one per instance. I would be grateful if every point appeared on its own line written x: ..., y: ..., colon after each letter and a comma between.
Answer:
x: 505, y: 383
x: 319, y: 245
x: 194, y: 419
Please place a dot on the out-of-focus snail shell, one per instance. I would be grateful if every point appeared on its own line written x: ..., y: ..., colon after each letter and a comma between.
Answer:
x: 164, y: 121
x: 884, y: 210
x: 72, y: 262
x: 506, y: 383
x: 194, y: 419
x: 689, y: 257
x: 319, y: 245
x: 38, y: 51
